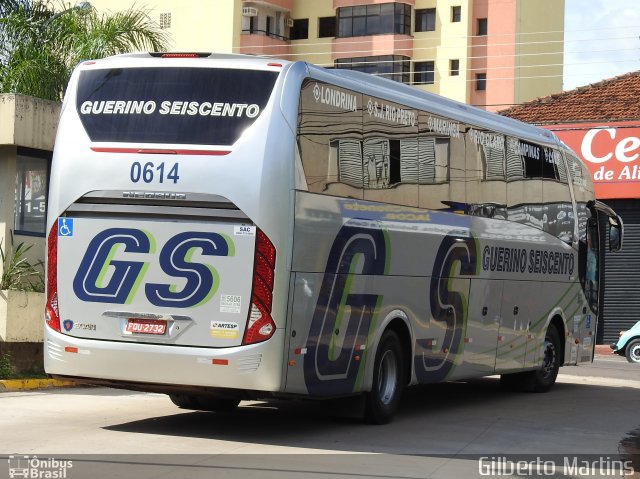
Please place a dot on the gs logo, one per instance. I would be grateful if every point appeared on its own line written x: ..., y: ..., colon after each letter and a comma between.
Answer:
x: 329, y: 365
x: 457, y: 255
x: 202, y: 280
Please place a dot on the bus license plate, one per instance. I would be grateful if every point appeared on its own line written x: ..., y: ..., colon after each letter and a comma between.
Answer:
x: 146, y: 326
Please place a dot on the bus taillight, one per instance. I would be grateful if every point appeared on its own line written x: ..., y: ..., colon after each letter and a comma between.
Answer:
x: 260, y: 325
x: 51, y: 308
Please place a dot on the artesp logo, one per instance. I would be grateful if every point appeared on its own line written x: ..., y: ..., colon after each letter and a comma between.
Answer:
x: 93, y: 284
x: 221, y: 325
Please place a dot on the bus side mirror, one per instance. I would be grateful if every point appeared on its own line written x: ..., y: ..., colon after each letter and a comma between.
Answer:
x: 615, y: 234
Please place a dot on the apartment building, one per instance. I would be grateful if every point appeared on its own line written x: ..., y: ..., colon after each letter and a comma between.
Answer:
x: 488, y: 53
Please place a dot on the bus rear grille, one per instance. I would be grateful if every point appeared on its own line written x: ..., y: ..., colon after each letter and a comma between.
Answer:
x: 249, y: 364
x: 156, y: 204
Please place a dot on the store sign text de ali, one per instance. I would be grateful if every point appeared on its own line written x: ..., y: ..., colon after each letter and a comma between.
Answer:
x: 612, y: 153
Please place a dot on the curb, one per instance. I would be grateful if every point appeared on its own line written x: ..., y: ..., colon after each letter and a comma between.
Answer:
x: 7, y: 385
x: 603, y: 350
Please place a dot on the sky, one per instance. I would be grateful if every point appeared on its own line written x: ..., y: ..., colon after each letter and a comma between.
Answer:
x: 602, y: 40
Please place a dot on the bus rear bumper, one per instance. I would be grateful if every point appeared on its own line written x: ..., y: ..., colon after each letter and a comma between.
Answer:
x: 257, y: 367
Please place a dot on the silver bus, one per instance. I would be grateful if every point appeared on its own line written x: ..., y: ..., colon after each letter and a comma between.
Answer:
x: 227, y: 227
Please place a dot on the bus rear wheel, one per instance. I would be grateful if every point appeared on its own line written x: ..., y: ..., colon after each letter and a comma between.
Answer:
x: 542, y: 379
x: 382, y: 401
x: 204, y: 403
x: 184, y: 401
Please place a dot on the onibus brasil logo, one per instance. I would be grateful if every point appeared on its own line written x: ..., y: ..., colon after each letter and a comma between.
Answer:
x: 36, y: 468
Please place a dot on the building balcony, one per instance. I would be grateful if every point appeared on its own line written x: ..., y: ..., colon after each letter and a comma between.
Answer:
x: 277, y: 4
x: 262, y: 43
x: 352, y: 3
x: 372, y: 45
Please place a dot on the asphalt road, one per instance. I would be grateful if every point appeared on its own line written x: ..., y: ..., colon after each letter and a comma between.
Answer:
x: 442, y: 431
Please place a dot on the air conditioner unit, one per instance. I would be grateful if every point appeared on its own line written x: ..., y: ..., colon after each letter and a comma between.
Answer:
x: 249, y: 12
x: 290, y: 22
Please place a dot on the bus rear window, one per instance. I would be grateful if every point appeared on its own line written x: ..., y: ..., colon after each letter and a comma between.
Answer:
x: 171, y: 105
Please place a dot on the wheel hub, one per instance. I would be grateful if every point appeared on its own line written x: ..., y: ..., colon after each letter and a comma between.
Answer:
x: 549, y: 358
x: 388, y: 378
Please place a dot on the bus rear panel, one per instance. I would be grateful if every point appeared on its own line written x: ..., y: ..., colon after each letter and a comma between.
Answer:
x: 163, y: 267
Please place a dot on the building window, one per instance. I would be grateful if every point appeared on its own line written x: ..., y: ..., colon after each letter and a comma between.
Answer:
x: 326, y: 27
x: 269, y: 29
x: 454, y: 68
x: 425, y: 20
x: 31, y: 192
x: 253, y: 24
x: 456, y: 14
x: 482, y: 27
x: 300, y: 29
x: 374, y: 19
x: 165, y: 20
x: 481, y: 81
x: 393, y: 67
x: 423, y: 73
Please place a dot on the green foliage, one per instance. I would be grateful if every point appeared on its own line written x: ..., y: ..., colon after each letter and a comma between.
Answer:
x: 6, y: 366
x: 18, y: 272
x: 41, y: 41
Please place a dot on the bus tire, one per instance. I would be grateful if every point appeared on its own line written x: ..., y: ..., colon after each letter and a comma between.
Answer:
x: 185, y: 401
x: 542, y: 379
x: 204, y: 403
x: 382, y: 401
x: 632, y: 351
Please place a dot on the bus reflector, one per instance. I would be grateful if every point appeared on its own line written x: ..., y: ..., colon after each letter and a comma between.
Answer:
x: 52, y: 314
x: 260, y: 325
x: 220, y: 362
x: 70, y: 349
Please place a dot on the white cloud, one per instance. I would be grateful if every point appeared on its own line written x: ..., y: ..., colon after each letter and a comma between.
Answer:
x: 601, y: 40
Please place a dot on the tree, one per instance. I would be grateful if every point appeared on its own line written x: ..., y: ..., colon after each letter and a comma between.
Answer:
x: 41, y: 42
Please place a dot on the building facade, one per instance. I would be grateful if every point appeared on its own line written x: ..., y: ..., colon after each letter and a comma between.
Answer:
x: 601, y: 123
x: 26, y: 142
x: 488, y: 53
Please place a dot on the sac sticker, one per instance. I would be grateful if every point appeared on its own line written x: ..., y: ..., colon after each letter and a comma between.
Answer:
x: 230, y: 303
x: 244, y: 230
x: 224, y: 329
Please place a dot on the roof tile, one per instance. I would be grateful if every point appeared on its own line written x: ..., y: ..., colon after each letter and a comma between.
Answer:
x: 614, y: 99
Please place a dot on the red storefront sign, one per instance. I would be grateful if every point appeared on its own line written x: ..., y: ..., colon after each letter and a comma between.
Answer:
x: 612, y: 153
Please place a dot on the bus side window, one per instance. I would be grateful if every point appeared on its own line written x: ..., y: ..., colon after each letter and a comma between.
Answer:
x: 588, y: 271
x: 330, y: 139
x: 582, y: 193
x: 485, y: 170
x: 557, y: 209
x: 524, y: 182
x: 389, y: 152
x: 441, y: 163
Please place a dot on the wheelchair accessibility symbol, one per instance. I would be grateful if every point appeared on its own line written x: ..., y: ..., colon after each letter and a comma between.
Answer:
x: 65, y: 227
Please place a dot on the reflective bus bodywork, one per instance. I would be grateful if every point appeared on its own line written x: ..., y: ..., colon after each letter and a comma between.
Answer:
x: 231, y: 227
